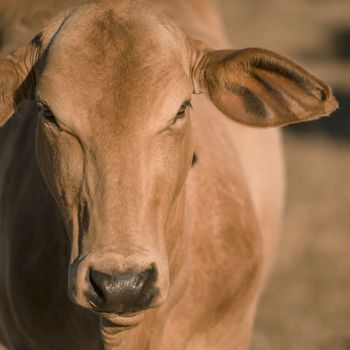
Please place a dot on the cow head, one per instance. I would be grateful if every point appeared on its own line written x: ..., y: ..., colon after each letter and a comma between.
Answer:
x: 113, y: 86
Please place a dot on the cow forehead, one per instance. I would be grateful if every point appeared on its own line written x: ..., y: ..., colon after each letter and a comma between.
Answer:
x: 107, y: 56
x: 108, y: 33
x: 107, y: 41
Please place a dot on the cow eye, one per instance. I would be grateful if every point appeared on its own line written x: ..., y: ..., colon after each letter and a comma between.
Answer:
x: 48, y: 115
x: 183, y: 109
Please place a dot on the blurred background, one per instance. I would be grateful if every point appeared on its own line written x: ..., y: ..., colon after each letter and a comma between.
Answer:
x: 306, y: 305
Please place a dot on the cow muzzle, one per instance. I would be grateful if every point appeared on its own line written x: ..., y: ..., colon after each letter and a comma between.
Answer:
x: 111, y: 287
x: 122, y: 292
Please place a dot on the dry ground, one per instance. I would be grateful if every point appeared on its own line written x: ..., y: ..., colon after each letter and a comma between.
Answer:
x: 307, y: 303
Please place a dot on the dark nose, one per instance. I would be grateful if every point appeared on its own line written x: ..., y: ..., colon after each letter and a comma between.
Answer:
x: 122, y: 292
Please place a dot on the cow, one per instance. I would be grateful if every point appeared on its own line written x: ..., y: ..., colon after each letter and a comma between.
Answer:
x: 141, y: 179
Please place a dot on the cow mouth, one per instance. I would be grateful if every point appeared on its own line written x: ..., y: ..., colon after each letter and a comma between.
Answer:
x: 122, y: 321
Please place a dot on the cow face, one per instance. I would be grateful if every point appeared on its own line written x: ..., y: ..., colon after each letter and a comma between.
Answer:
x: 114, y: 145
x: 113, y: 86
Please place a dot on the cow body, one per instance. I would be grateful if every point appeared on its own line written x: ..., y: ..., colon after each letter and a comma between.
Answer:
x: 224, y: 228
x: 36, y: 312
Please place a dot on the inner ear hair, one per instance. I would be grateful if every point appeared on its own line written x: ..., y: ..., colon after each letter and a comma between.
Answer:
x: 18, y: 71
x: 17, y: 80
x: 260, y: 88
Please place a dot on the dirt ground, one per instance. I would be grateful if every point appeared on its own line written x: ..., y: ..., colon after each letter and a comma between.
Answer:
x: 307, y: 303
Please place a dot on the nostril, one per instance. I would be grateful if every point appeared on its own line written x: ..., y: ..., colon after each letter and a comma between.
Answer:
x: 148, y: 278
x: 94, y: 281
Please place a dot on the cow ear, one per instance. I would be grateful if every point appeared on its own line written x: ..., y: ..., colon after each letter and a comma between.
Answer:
x: 17, y: 80
x: 260, y: 88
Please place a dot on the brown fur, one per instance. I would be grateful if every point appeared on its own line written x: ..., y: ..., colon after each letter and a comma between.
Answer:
x: 117, y: 162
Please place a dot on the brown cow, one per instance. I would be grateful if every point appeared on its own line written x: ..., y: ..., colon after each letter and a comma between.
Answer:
x: 159, y: 249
